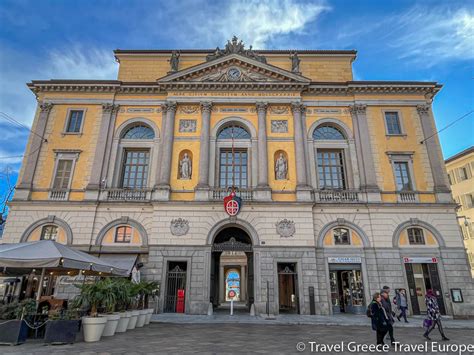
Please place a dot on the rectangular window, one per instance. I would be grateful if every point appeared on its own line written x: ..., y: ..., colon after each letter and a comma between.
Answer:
x: 341, y: 236
x: 469, y: 200
x: 49, y: 233
x: 402, y: 176
x: 331, y: 169
x: 135, y: 169
x: 74, y: 123
x: 123, y: 234
x: 63, y: 174
x: 415, y: 236
x: 233, y: 169
x: 393, y: 123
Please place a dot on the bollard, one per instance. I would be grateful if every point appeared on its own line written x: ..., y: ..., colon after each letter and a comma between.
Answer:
x: 232, y: 307
x: 210, y: 309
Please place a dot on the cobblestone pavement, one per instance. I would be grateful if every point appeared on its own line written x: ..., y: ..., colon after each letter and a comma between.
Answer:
x: 168, y: 338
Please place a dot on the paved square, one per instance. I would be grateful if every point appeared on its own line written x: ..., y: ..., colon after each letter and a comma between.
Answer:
x: 166, y: 338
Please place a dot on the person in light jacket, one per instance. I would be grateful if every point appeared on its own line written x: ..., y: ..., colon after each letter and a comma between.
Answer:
x: 433, y: 315
x: 402, y: 304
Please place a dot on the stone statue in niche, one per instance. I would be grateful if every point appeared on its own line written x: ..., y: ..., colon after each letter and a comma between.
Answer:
x: 174, y: 61
x: 185, y: 167
x: 281, y: 168
x: 295, y: 63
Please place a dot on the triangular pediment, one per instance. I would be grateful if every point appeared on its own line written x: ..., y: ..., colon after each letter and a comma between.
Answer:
x: 234, y: 68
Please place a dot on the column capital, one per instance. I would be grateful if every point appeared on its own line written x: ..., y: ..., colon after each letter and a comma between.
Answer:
x: 261, y: 106
x: 169, y: 106
x: 206, y: 106
x: 298, y: 107
x: 358, y: 109
x: 110, y: 108
x: 46, y: 107
x: 423, y: 109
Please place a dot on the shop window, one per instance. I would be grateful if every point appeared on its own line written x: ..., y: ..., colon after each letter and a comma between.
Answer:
x: 49, y: 232
x: 341, y: 236
x: 415, y: 236
x: 123, y: 234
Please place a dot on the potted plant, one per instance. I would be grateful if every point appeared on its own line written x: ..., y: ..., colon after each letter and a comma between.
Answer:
x: 147, y: 289
x: 13, y: 327
x: 122, y: 293
x: 108, y: 303
x: 92, y: 296
x: 134, y: 291
x: 62, y: 327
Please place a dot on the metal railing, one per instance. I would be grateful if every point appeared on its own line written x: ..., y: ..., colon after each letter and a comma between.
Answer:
x: 335, y: 196
x: 128, y: 194
x: 218, y: 193
x: 58, y: 195
x: 407, y: 196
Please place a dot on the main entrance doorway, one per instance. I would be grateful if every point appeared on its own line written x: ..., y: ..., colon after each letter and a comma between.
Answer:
x: 232, y: 269
x: 347, y: 290
x: 175, y: 287
x: 287, y: 288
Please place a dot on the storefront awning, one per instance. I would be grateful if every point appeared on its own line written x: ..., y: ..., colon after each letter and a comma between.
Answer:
x: 122, y: 261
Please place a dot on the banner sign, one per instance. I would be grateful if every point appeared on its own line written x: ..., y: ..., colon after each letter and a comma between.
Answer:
x: 421, y: 260
x: 345, y: 260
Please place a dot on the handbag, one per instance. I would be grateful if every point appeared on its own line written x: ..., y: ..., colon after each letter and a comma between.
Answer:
x: 427, y: 323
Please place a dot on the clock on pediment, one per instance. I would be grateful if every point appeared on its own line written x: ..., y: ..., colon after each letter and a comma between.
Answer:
x: 234, y: 74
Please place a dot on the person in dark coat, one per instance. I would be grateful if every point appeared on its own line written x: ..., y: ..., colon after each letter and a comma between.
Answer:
x: 433, y: 315
x: 379, y: 318
x: 387, y: 305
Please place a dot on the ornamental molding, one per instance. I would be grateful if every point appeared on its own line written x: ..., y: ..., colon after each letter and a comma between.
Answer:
x: 298, y: 107
x: 46, y: 107
x: 279, y: 110
x: 179, y: 226
x: 261, y: 107
x: 285, y: 228
x: 423, y: 109
x: 232, y: 245
x: 235, y: 46
x: 169, y: 106
x: 110, y: 108
x: 188, y: 109
x: 206, y: 106
x: 241, y: 75
x: 187, y: 126
x: 279, y: 126
x: 358, y: 109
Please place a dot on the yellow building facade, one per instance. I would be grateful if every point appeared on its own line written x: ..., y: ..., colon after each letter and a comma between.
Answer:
x: 335, y: 196
x: 460, y: 172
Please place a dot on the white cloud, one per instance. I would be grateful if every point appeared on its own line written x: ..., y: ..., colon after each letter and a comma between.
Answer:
x: 255, y: 22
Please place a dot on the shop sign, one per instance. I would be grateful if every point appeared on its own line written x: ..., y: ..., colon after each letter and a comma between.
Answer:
x: 345, y: 260
x: 421, y: 260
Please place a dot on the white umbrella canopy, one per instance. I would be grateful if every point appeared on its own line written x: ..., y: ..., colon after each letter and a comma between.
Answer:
x: 49, y: 254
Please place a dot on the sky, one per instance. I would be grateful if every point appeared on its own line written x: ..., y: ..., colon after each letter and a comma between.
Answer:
x: 395, y: 40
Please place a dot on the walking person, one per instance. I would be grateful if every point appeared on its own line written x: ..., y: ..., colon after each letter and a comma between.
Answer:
x: 402, y: 304
x: 433, y: 315
x: 387, y: 305
x: 379, y: 318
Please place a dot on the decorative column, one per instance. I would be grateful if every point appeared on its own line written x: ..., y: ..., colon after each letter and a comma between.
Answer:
x: 163, y: 188
x: 202, y: 188
x: 303, y: 191
x: 102, y: 150
x: 263, y: 191
x: 221, y: 284
x: 31, y: 159
x: 365, y: 158
x: 433, y: 148
x: 243, y: 283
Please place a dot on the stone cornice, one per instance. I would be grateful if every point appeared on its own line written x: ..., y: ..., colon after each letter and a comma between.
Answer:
x: 429, y: 89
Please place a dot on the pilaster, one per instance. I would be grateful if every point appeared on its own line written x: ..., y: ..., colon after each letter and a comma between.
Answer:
x: 433, y: 147
x: 365, y: 159
x: 202, y: 188
x: 103, y: 150
x: 263, y: 191
x: 303, y: 191
x: 31, y: 159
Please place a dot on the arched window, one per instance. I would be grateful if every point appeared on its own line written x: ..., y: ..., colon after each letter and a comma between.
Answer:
x: 415, y: 236
x: 341, y: 236
x: 233, y: 131
x: 123, y: 234
x: 328, y: 132
x: 49, y: 232
x: 139, y: 132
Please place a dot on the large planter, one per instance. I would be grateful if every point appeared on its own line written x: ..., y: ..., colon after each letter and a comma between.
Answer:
x: 141, y: 318
x: 112, y: 323
x: 13, y: 332
x: 61, y: 331
x: 93, y: 327
x: 148, y: 315
x: 123, y: 322
x: 133, y: 320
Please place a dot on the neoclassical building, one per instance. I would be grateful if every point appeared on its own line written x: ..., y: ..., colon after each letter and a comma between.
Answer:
x: 337, y: 192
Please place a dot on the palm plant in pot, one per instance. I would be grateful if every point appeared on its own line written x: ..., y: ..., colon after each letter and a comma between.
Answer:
x: 123, y: 295
x: 13, y: 327
x: 134, y: 290
x: 148, y: 289
x: 92, y: 296
x: 108, y: 304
